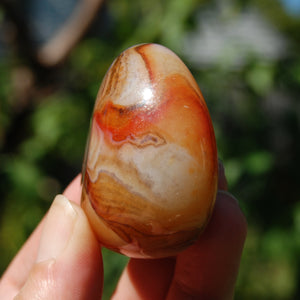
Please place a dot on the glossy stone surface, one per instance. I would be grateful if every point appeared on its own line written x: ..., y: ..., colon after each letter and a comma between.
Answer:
x: 150, y: 171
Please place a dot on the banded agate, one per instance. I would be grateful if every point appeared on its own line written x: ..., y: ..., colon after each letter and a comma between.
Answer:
x: 150, y: 171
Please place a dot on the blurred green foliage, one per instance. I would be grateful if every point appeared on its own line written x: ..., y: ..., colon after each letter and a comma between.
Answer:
x: 44, y: 120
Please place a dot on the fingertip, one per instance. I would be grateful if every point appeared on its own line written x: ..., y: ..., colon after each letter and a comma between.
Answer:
x: 73, y: 190
x: 83, y: 258
x: 69, y: 262
x: 230, y: 205
x: 222, y: 181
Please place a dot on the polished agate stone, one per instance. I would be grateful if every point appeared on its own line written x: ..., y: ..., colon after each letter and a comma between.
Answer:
x: 150, y: 171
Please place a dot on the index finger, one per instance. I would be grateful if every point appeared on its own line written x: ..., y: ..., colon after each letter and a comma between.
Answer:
x: 18, y: 270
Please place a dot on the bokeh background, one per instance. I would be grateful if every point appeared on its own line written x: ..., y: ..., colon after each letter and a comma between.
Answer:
x: 245, y: 56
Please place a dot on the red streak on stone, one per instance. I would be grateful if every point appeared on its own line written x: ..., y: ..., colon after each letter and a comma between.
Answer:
x: 188, y: 127
x: 122, y: 122
x: 147, y: 60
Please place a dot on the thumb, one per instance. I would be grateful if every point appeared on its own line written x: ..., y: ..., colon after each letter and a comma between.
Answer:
x: 69, y: 262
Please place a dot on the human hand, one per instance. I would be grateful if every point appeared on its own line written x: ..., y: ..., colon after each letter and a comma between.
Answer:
x: 62, y: 258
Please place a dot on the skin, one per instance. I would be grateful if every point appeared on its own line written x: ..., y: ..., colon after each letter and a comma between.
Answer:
x: 62, y: 259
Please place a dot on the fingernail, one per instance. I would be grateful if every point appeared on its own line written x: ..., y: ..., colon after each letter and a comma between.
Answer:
x: 222, y: 182
x: 230, y: 196
x: 57, y: 229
